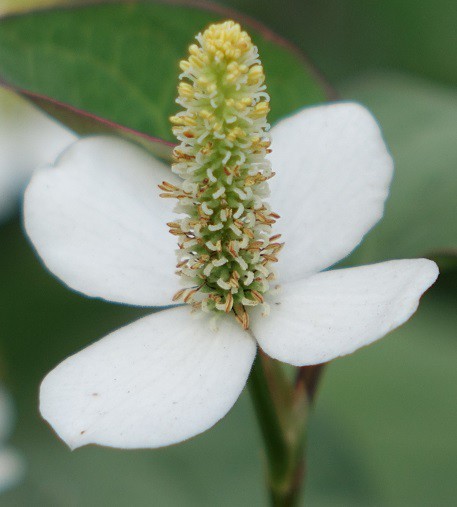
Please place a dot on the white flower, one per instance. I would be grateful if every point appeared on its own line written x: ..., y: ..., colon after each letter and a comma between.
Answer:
x: 12, y: 465
x: 28, y: 138
x: 97, y: 222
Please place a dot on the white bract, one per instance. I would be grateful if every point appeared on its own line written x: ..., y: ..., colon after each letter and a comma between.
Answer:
x: 98, y: 224
x: 12, y: 465
x: 28, y: 139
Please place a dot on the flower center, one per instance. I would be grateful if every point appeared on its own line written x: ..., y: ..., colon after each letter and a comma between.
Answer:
x: 226, y: 247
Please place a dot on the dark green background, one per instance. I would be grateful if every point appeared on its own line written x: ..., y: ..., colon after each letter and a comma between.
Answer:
x: 384, y: 430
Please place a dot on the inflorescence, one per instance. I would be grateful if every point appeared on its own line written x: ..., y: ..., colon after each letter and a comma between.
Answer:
x: 226, y: 247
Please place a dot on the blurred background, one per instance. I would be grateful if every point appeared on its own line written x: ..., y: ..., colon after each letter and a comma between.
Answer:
x: 384, y: 431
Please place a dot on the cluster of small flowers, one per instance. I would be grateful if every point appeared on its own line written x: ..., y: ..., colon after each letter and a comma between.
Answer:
x: 226, y: 246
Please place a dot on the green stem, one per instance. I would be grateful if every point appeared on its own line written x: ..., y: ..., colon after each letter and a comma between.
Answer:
x: 275, y: 444
x: 283, y: 426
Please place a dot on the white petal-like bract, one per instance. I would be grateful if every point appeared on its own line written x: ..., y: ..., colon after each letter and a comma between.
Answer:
x: 98, y: 223
x: 334, y: 313
x: 158, y: 381
x: 28, y: 138
x: 333, y: 172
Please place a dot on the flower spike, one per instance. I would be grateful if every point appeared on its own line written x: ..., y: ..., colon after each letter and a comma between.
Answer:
x: 226, y: 246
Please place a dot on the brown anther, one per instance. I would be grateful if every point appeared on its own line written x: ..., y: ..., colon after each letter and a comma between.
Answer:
x: 189, y: 295
x: 228, y: 302
x: 231, y: 249
x: 255, y: 245
x: 179, y: 155
x: 241, y: 315
x: 215, y: 297
x: 276, y: 246
x: 233, y: 282
x: 178, y: 295
x: 168, y: 187
x: 274, y: 215
x: 270, y: 258
x: 275, y: 237
x: 261, y: 217
x: 248, y: 233
x: 173, y: 225
x: 188, y: 134
x: 257, y: 296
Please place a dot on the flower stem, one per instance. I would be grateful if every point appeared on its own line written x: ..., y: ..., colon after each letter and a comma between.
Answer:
x: 282, y: 410
x: 273, y: 436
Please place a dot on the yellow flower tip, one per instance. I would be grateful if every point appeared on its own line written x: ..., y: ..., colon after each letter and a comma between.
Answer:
x: 226, y: 41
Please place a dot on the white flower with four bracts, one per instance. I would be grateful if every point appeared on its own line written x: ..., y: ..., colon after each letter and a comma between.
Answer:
x: 97, y: 222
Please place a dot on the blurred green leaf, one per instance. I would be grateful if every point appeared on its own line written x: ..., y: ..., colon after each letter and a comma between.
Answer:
x: 419, y: 123
x: 395, y: 401
x: 120, y: 62
x: 350, y: 36
x: 85, y: 123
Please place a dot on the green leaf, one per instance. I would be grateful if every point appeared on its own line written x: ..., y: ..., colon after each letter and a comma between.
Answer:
x: 395, y: 401
x: 419, y: 123
x: 85, y: 123
x: 346, y: 37
x: 120, y: 62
